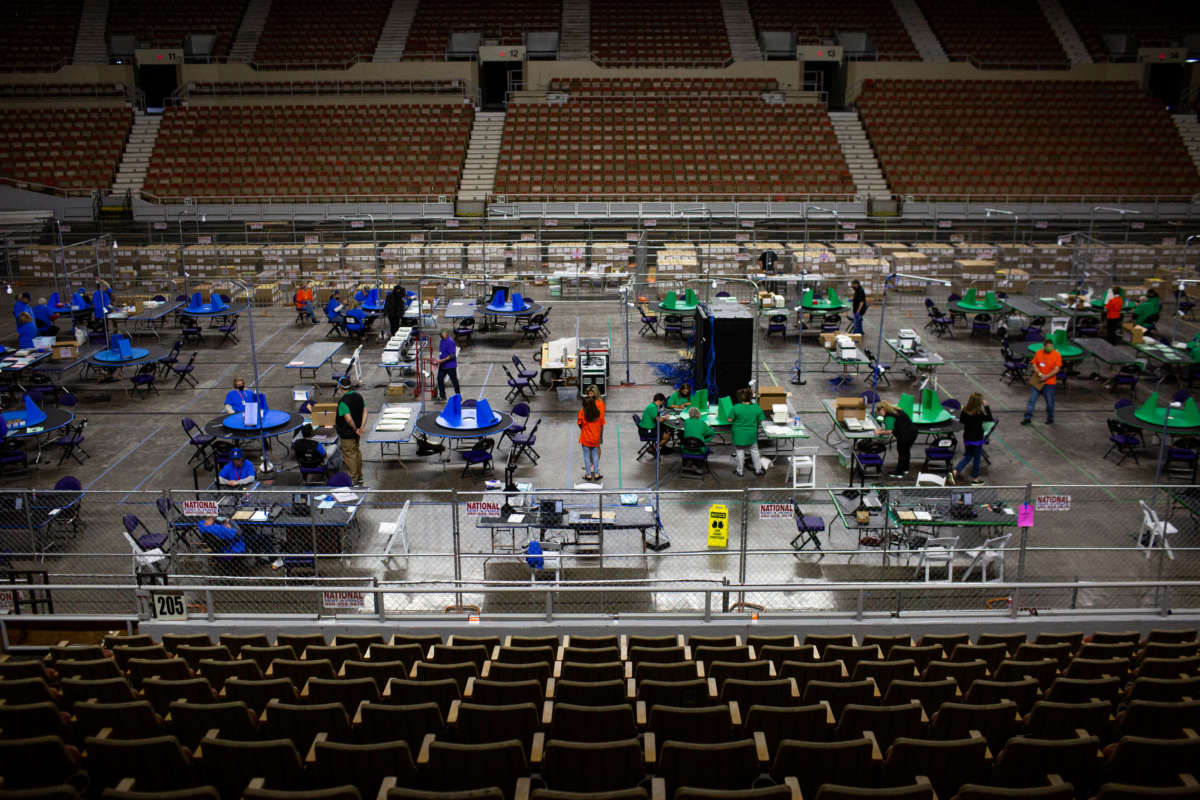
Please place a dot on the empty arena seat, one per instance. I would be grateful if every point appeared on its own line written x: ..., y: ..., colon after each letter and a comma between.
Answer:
x: 304, y: 150
x: 1153, y: 23
x: 504, y: 21
x: 1025, y: 139
x: 64, y: 148
x: 995, y: 34
x: 156, y: 24
x: 659, y: 33
x: 815, y: 20
x: 670, y: 146
x: 304, y: 32
x: 36, y: 35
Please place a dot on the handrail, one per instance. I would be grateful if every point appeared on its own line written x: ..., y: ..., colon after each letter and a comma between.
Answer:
x: 58, y: 191
x: 296, y: 198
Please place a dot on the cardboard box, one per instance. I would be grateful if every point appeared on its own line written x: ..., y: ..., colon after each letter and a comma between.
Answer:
x: 769, y: 396
x: 1136, y: 332
x: 324, y: 414
x: 850, y: 407
x: 64, y: 350
x: 828, y: 340
x: 398, y: 390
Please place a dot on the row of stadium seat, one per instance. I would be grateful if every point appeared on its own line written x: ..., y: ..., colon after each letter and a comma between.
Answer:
x: 1151, y: 23
x: 1014, y: 32
x: 315, y: 31
x: 67, y: 148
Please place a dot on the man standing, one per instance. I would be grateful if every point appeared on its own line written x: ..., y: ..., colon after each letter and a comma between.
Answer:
x: 351, y: 423
x: 447, y: 362
x: 393, y: 308
x: 1112, y: 310
x: 858, y: 305
x: 1046, y: 364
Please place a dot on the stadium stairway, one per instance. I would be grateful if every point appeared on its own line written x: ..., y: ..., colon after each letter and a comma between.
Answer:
x: 739, y: 27
x: 135, y: 161
x: 1189, y: 129
x: 483, y: 154
x: 395, y: 31
x: 576, y: 40
x: 1068, y: 37
x: 860, y: 157
x: 249, y: 31
x: 922, y: 35
x: 91, y: 46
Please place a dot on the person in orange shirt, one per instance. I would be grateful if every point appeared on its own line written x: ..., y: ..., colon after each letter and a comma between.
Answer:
x: 591, y: 433
x: 303, y: 301
x: 1112, y: 310
x: 1048, y: 363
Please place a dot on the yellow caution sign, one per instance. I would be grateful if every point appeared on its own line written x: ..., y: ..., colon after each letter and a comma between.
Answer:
x: 718, y: 525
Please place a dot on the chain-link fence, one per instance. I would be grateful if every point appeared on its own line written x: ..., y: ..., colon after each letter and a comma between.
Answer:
x: 785, y: 551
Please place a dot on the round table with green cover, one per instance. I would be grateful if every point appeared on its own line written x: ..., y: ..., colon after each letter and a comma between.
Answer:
x: 1068, y: 351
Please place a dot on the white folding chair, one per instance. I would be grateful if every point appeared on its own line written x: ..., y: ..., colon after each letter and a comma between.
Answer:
x: 992, y: 551
x: 930, y: 479
x: 1153, y: 530
x: 148, y: 565
x: 804, y: 468
x: 1059, y: 324
x: 938, y: 551
x: 397, y: 534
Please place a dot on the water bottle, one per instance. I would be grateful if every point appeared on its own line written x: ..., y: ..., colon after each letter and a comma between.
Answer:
x: 796, y: 421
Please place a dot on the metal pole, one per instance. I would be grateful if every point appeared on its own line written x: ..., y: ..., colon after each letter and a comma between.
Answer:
x: 1024, y: 536
x: 799, y: 379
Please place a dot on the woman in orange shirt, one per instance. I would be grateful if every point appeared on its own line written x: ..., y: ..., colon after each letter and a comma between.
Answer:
x: 591, y: 434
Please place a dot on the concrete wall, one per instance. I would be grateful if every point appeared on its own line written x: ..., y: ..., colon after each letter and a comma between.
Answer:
x: 859, y: 71
x: 366, y: 71
x: 74, y: 73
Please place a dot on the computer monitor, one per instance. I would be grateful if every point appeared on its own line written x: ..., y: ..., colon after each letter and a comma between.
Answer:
x: 551, y: 509
x: 961, y: 498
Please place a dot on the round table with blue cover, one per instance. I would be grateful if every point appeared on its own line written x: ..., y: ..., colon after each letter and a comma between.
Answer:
x: 207, y: 311
x: 492, y: 313
x: 428, y: 424
x: 111, y: 362
x: 228, y: 426
x: 56, y: 419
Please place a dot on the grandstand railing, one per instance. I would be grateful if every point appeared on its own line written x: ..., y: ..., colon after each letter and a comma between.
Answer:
x: 46, y: 188
x: 229, y: 199
x: 334, y: 87
x: 660, y: 63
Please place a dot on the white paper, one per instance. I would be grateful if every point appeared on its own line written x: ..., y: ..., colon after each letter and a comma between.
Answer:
x: 516, y: 518
x: 345, y: 497
x: 259, y: 516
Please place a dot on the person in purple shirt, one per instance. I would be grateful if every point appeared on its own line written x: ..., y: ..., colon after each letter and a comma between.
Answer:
x: 447, y: 364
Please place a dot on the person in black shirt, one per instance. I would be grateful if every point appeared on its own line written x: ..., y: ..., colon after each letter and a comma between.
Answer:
x: 351, y: 423
x: 974, y: 414
x: 858, y: 305
x: 904, y: 432
x: 393, y: 308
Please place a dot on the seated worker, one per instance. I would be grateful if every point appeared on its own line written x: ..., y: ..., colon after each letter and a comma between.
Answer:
x: 78, y: 301
x: 649, y: 418
x: 239, y: 472
x: 356, y: 320
x: 22, y: 305
x: 304, y: 302
x: 681, y: 397
x: 311, y: 452
x: 43, y: 318
x: 237, y: 397
x: 1150, y: 307
x: 26, y: 330
x: 694, y: 427
x: 228, y: 537
x: 334, y: 307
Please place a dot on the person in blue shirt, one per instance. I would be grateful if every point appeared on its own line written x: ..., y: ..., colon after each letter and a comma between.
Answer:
x: 305, y: 446
x: 239, y: 472
x: 334, y: 307
x: 26, y: 330
x: 237, y: 397
x: 43, y: 318
x: 229, y: 537
x: 101, y: 302
x: 22, y: 305
x: 78, y: 301
x: 447, y: 361
x: 356, y: 320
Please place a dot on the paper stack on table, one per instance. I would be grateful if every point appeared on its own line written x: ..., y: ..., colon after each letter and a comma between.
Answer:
x: 394, y: 418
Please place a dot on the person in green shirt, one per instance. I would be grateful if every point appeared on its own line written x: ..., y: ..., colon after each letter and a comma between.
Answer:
x: 1150, y: 307
x: 681, y: 397
x: 649, y: 418
x: 744, y: 420
x: 694, y: 427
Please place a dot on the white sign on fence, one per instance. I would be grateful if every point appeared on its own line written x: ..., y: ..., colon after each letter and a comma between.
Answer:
x: 354, y: 600
x: 168, y: 606
x: 774, y: 510
x: 483, y: 508
x: 1053, y: 502
x: 200, y: 508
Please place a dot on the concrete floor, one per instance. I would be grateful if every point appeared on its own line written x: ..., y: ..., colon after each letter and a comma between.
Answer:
x: 138, y: 449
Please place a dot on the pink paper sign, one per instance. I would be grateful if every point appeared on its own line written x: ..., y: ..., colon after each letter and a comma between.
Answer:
x: 1025, y: 515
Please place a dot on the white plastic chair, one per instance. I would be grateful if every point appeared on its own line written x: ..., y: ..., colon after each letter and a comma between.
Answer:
x: 1059, y: 324
x: 1154, y: 529
x: 938, y: 551
x: 930, y: 479
x: 992, y: 551
x: 804, y: 468
x: 148, y: 565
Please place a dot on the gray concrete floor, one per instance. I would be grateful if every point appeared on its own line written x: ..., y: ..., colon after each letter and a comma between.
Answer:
x: 138, y: 448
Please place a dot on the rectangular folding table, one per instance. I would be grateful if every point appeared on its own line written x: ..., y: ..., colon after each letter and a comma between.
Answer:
x: 313, y: 357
